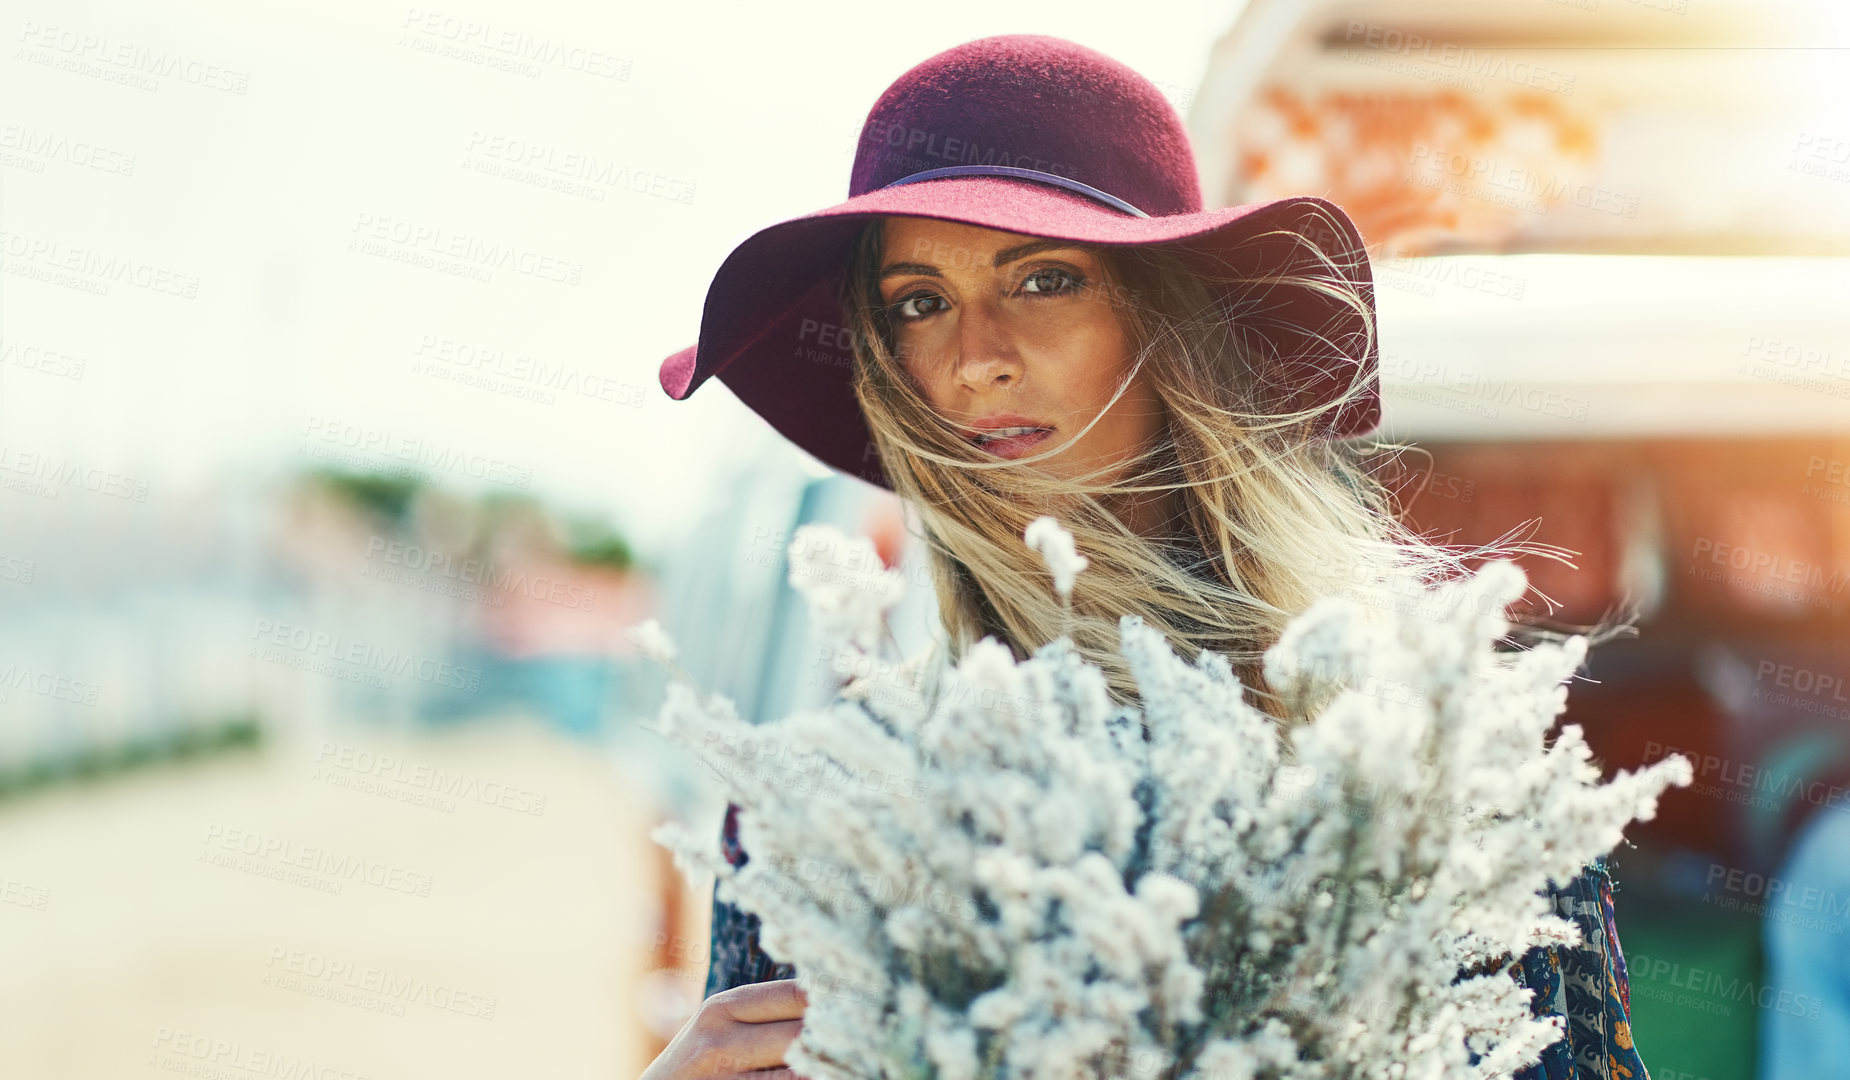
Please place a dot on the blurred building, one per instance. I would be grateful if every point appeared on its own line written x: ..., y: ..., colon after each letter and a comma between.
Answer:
x: 1610, y: 244
x: 740, y: 627
x: 1622, y: 126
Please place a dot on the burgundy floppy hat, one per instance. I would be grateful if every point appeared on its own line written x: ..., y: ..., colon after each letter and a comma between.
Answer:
x: 1040, y: 136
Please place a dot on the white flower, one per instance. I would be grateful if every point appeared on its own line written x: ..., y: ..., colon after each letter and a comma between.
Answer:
x: 1045, y: 535
x: 1029, y: 881
x: 848, y: 589
x: 654, y: 642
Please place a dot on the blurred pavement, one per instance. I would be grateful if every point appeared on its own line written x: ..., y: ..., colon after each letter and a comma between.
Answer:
x: 187, y: 916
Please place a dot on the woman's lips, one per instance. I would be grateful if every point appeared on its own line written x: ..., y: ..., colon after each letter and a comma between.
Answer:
x: 1014, y: 446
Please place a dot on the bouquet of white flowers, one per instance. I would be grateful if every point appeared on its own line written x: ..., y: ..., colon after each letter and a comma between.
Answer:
x: 993, y: 870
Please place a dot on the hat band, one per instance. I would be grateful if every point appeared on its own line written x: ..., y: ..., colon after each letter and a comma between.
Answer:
x: 1011, y: 171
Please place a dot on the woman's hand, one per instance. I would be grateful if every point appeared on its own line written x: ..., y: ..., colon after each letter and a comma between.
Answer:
x: 736, y: 1031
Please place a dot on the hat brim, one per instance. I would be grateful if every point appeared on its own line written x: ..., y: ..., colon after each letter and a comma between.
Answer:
x: 771, y: 325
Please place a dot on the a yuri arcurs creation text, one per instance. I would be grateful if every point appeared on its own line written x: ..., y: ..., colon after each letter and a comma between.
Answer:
x: 996, y: 871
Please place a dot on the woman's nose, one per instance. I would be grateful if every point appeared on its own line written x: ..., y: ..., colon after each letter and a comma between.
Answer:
x: 987, y: 356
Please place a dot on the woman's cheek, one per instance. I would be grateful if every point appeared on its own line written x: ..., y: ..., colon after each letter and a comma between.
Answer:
x: 914, y: 358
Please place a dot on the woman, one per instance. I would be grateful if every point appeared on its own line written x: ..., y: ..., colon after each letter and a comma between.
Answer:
x: 1023, y: 309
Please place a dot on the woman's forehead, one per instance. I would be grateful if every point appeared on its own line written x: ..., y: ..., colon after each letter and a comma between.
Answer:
x: 916, y: 239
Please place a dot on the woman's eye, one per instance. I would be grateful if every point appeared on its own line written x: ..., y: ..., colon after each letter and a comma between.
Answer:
x: 1050, y: 280
x: 918, y: 305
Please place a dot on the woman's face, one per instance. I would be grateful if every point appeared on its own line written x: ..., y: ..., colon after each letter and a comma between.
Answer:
x: 1004, y: 332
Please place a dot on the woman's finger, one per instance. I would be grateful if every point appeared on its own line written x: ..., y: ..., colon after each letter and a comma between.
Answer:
x: 750, y: 1048
x: 756, y: 1003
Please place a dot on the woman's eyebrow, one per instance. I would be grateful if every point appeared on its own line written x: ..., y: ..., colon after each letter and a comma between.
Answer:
x: 1022, y: 251
x: 1003, y: 258
x: 895, y: 269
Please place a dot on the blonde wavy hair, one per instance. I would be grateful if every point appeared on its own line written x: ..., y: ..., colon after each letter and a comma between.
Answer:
x: 1274, y: 519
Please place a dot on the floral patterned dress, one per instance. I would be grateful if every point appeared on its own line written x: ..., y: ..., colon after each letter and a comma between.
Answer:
x: 1587, y: 985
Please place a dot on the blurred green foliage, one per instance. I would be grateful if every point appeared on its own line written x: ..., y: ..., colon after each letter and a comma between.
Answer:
x: 387, y: 495
x: 585, y: 539
x: 94, y: 763
x: 592, y: 542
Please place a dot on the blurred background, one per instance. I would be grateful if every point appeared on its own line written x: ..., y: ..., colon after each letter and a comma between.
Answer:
x: 321, y: 747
